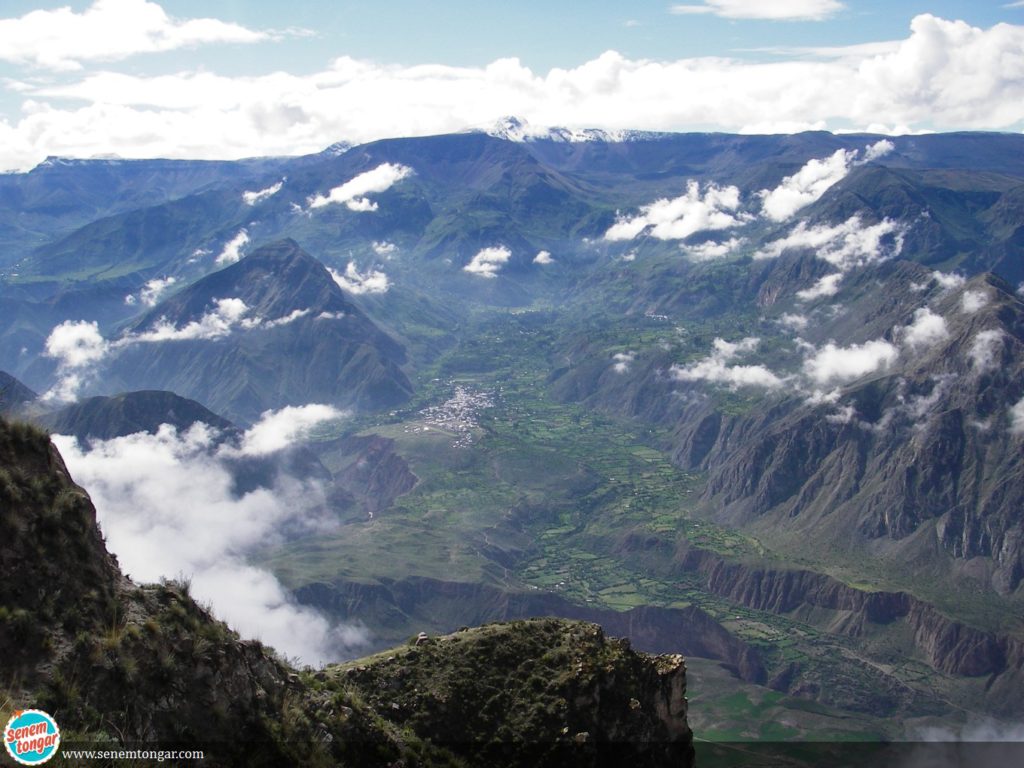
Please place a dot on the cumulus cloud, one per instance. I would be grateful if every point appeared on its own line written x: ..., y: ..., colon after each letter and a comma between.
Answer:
x: 621, y: 361
x: 543, y: 258
x: 711, y: 250
x: 108, y: 30
x: 948, y: 280
x: 715, y: 367
x: 354, y: 281
x: 972, y: 301
x: 844, y: 246
x: 1017, y: 418
x: 794, y: 322
x: 217, y: 323
x: 943, y: 75
x: 836, y: 365
x: 276, y: 430
x: 353, y: 192
x: 824, y: 286
x: 77, y: 346
x: 488, y: 261
x: 384, y: 248
x: 806, y: 185
x: 676, y: 219
x: 926, y: 330
x: 233, y: 248
x: 252, y: 198
x: 777, y: 10
x: 167, y: 506
x: 985, y: 349
x: 151, y: 292
x: 878, y: 150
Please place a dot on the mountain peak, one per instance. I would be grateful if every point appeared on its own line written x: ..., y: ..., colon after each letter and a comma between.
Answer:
x: 512, y: 128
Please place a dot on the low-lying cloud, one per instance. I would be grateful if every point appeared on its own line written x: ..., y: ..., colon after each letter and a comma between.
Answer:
x: 254, y: 198
x: 814, y: 179
x: 712, y: 250
x: 80, y: 348
x: 488, y: 261
x: 715, y: 368
x: 167, y: 508
x: 926, y: 330
x: 833, y: 364
x: 694, y: 211
x: 845, y: 246
x: 353, y: 192
x: 354, y: 281
x: 985, y: 349
x: 232, y: 250
x: 151, y: 292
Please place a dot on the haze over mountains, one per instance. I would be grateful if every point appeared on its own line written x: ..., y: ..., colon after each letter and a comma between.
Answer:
x: 755, y: 398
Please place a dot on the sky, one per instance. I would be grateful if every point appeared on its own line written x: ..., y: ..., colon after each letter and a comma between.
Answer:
x: 229, y: 79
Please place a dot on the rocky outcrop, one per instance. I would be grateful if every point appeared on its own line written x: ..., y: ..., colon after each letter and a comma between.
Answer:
x: 550, y: 691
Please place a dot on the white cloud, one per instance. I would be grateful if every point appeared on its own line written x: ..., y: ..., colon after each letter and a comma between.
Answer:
x: 277, y: 430
x: 217, y: 323
x: 948, y: 280
x: 776, y: 10
x: 985, y: 349
x: 288, y: 319
x: 166, y: 505
x: 680, y: 217
x: 354, y: 281
x: 878, y: 150
x: 714, y: 368
x: 793, y: 321
x: 806, y: 185
x: 77, y: 346
x: 233, y: 248
x: 621, y: 361
x: 488, y: 261
x: 1017, y: 418
x: 972, y: 301
x: 824, y: 286
x: 108, y: 30
x: 543, y: 258
x: 844, y: 246
x: 926, y: 330
x: 944, y: 75
x: 384, y: 248
x: 710, y: 250
x: 832, y: 364
x: 353, y: 192
x: 252, y: 198
x: 151, y: 291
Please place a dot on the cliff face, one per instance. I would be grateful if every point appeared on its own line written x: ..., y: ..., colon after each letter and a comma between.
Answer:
x: 947, y: 645
x: 118, y: 663
x: 927, y: 444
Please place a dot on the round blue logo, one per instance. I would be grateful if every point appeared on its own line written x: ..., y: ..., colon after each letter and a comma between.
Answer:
x: 31, y: 737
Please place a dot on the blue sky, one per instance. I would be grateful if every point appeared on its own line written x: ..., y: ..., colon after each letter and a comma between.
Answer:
x: 141, y: 77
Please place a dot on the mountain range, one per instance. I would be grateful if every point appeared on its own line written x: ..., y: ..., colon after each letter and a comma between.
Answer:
x: 758, y: 399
